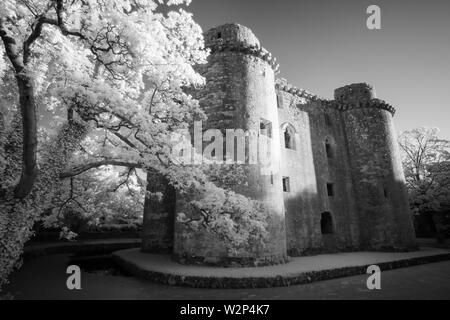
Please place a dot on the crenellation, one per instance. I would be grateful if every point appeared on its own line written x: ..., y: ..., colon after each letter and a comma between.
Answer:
x: 283, y: 85
x: 221, y: 45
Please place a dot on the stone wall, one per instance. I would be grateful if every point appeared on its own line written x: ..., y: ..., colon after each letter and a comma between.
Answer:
x: 311, y: 169
x: 159, y: 215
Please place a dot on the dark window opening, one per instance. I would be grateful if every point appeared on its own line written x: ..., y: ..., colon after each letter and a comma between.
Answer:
x: 330, y: 189
x: 280, y: 100
x: 329, y: 149
x: 219, y: 35
x: 271, y: 178
x: 286, y: 186
x: 385, y: 193
x: 266, y: 128
x: 289, y: 139
x: 326, y: 223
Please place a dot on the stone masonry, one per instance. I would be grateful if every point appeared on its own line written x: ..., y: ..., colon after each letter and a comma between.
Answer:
x: 340, y: 184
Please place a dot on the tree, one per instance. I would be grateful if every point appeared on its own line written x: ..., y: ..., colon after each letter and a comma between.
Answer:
x: 426, y: 161
x: 119, y: 65
x: 117, y: 71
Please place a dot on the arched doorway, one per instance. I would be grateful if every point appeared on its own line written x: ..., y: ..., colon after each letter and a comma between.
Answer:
x: 326, y: 223
x: 327, y: 231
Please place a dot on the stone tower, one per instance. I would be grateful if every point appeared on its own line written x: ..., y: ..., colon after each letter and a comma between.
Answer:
x: 376, y: 169
x: 240, y: 94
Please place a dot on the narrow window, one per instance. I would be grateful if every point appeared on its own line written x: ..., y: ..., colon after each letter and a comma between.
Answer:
x: 265, y: 128
x: 330, y: 189
x: 280, y: 100
x: 286, y: 186
x: 287, y: 139
x: 329, y: 149
x: 271, y: 178
x: 219, y: 35
x: 326, y: 223
x: 385, y: 193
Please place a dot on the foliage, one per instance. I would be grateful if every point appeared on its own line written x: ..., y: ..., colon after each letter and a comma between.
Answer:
x: 115, y: 71
x: 106, y: 196
x: 238, y: 221
x: 426, y: 161
x: 19, y: 215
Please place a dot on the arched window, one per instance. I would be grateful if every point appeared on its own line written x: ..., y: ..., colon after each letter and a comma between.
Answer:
x: 289, y: 136
x: 326, y: 223
x: 329, y: 149
x: 288, y: 140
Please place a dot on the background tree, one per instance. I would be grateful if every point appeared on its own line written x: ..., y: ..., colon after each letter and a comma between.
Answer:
x: 426, y: 161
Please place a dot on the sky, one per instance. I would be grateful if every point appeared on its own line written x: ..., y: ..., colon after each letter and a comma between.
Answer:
x: 322, y: 45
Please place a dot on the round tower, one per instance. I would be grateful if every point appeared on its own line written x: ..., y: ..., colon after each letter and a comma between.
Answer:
x: 376, y: 167
x: 240, y: 94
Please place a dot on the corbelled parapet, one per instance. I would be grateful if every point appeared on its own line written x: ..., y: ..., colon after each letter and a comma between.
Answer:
x: 373, y: 103
x: 283, y: 85
x: 237, y: 38
x: 353, y: 96
x: 358, y: 95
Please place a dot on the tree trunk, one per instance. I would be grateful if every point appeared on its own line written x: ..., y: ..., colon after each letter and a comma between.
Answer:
x: 27, y: 106
x: 19, y: 215
x: 29, y: 128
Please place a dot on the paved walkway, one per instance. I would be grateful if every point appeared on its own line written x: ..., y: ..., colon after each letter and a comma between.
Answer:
x: 160, y: 268
x: 163, y: 263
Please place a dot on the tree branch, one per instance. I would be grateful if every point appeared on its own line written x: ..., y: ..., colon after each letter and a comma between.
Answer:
x: 11, y: 49
x: 88, y: 166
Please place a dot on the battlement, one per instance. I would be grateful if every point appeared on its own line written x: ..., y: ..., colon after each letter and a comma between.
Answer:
x: 350, y: 105
x: 354, y: 93
x: 358, y: 95
x: 283, y: 85
x: 236, y: 38
x: 231, y: 33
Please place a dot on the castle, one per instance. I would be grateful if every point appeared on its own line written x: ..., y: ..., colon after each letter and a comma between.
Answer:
x: 340, y: 184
